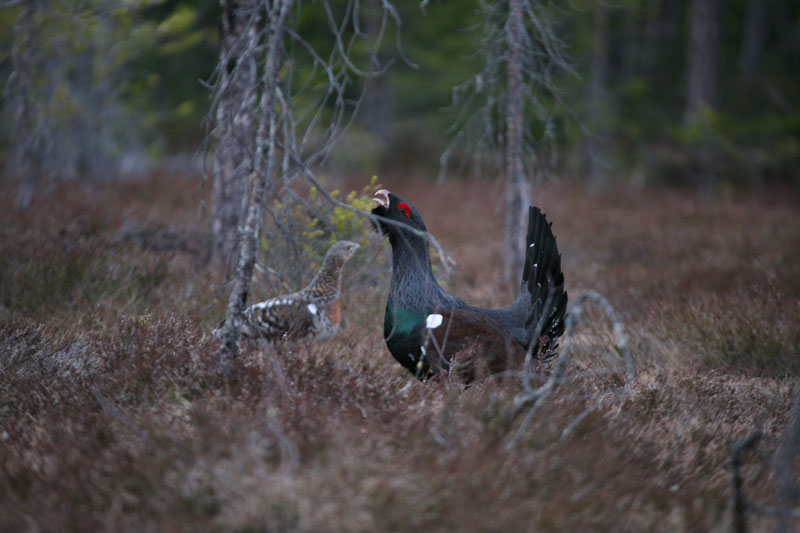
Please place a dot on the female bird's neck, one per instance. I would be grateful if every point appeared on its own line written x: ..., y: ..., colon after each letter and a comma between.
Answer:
x: 328, y: 281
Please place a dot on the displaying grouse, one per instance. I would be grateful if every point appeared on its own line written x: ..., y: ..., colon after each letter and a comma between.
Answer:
x: 429, y: 331
x: 312, y: 313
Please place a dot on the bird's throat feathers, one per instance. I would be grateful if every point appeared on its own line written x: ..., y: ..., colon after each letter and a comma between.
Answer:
x: 413, y: 283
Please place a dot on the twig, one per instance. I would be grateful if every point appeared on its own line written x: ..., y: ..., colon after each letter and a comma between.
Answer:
x: 447, y: 261
x: 112, y: 409
x: 783, y: 462
x: 537, y: 396
x: 739, y: 504
x: 785, y: 466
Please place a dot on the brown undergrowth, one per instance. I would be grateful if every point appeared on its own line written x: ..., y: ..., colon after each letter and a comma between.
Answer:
x: 112, y: 414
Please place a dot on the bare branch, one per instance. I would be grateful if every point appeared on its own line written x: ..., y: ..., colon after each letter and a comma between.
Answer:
x: 537, y: 396
x: 738, y: 502
x: 447, y: 261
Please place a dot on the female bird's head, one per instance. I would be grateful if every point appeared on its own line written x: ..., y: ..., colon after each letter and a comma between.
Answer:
x: 343, y: 250
x: 395, y: 208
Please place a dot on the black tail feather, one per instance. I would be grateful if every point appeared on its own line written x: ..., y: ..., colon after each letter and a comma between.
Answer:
x: 545, y: 283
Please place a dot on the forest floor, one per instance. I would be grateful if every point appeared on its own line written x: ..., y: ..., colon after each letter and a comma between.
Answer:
x: 113, y: 415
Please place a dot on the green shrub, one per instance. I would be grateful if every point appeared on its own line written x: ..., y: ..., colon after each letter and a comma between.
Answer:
x: 300, y: 231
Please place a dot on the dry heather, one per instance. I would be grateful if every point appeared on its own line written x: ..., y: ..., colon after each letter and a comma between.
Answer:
x: 112, y: 415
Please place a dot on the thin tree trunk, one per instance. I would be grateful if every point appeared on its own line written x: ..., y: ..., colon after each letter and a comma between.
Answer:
x: 376, y: 106
x: 652, y: 33
x: 660, y: 31
x: 755, y: 31
x: 260, y: 182
x: 234, y: 123
x: 27, y: 161
x: 598, y: 97
x: 702, y: 86
x: 703, y: 57
x: 785, y: 465
x: 517, y: 188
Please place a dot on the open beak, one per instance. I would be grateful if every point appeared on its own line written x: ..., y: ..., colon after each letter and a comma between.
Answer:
x: 382, y: 198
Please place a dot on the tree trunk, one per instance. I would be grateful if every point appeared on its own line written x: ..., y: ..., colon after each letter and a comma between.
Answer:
x: 703, y: 57
x: 260, y: 183
x: 234, y: 123
x: 660, y: 31
x: 376, y: 106
x: 755, y: 31
x: 652, y: 34
x: 517, y: 189
x: 598, y: 101
x: 27, y: 161
x: 702, y: 89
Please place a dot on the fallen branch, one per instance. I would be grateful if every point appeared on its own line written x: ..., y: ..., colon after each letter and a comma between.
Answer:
x: 114, y: 411
x: 739, y: 503
x: 538, y: 395
x: 784, y: 465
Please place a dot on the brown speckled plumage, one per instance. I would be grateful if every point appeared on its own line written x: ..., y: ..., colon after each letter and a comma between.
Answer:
x: 310, y: 313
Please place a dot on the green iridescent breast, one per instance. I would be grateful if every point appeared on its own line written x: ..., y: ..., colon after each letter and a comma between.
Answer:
x: 399, y: 322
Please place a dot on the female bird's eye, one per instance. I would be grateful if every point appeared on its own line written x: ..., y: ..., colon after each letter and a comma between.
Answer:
x: 403, y: 208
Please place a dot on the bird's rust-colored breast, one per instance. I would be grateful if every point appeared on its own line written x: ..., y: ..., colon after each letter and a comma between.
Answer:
x: 334, y: 312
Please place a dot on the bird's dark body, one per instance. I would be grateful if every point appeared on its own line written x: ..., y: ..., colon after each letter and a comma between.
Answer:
x: 468, y: 340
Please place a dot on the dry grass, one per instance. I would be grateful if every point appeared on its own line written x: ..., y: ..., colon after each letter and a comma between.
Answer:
x: 112, y: 415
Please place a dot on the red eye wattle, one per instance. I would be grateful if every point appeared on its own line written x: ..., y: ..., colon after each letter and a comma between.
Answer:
x: 403, y: 208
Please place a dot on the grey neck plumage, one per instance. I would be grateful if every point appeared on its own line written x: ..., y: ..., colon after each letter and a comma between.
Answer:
x: 413, y: 283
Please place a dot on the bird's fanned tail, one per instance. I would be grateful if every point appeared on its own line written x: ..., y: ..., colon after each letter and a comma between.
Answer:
x: 544, y: 281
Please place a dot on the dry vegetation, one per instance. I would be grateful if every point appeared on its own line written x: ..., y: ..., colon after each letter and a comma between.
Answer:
x: 112, y: 414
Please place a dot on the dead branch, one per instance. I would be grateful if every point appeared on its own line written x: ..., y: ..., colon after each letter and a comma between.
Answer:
x: 538, y: 395
x: 114, y: 411
x: 739, y: 503
x: 784, y: 465
x: 447, y: 262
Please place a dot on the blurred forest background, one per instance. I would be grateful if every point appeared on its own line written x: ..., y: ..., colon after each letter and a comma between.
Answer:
x: 656, y: 91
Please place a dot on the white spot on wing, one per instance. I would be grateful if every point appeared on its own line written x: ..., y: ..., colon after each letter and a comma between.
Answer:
x: 312, y: 308
x: 433, y: 321
x: 422, y: 349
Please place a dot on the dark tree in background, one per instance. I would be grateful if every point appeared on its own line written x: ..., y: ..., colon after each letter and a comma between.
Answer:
x: 702, y: 83
x: 96, y: 90
x: 517, y: 187
x: 508, y: 107
x: 19, y: 94
x: 597, y: 96
x: 234, y: 121
x: 754, y: 36
x: 703, y: 57
x: 62, y: 100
